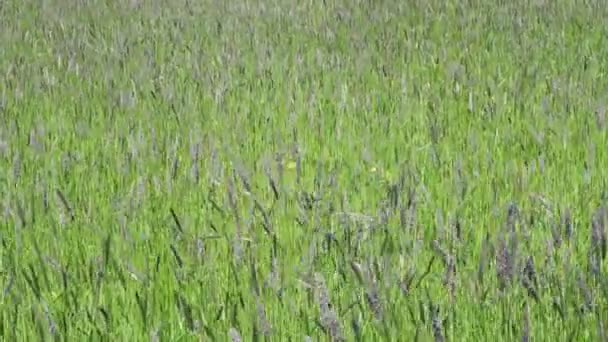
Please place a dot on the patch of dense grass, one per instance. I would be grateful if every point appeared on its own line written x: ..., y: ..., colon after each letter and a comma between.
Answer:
x: 356, y: 171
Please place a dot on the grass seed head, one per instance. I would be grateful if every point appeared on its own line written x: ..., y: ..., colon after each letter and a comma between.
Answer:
x: 449, y: 279
x: 530, y: 271
x: 512, y: 216
x: 567, y: 224
x: 262, y: 323
x: 600, y: 117
x: 599, y: 241
x: 234, y: 335
x: 504, y: 264
x: 588, y: 304
x: 437, y: 324
x: 373, y: 300
x: 328, y: 318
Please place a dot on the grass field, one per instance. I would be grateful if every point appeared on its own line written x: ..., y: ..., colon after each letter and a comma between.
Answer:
x: 316, y: 170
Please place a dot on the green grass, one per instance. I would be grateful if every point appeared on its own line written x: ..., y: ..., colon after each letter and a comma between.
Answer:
x: 194, y: 170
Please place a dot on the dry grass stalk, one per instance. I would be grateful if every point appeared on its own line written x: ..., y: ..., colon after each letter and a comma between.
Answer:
x: 525, y: 336
x: 237, y: 247
x: 273, y: 184
x: 67, y: 208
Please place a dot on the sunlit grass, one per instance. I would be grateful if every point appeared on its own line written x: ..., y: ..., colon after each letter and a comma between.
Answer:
x: 352, y: 171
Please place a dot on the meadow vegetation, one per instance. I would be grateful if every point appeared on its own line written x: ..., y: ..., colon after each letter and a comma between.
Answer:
x: 303, y: 170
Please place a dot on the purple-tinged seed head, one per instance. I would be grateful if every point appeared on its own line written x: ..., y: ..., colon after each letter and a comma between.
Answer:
x: 600, y: 117
x: 567, y: 224
x: 263, y: 323
x: 234, y: 335
x: 437, y: 324
x: 328, y: 319
x: 373, y: 300
x: 512, y: 215
x: 598, y: 233
x: 503, y: 264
